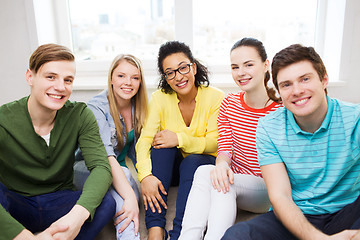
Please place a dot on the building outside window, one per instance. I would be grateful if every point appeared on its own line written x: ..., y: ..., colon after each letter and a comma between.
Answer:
x: 97, y: 31
x: 109, y: 27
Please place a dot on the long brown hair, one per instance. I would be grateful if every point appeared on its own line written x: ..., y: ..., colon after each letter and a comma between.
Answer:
x: 258, y: 45
x: 140, y: 99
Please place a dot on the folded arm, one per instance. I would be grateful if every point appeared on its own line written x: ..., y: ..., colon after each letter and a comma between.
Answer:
x: 285, y: 209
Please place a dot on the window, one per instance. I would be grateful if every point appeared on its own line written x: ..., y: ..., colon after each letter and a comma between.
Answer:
x: 277, y: 23
x: 99, y: 30
x: 109, y: 27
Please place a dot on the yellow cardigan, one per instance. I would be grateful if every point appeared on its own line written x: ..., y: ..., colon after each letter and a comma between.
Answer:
x: 164, y: 113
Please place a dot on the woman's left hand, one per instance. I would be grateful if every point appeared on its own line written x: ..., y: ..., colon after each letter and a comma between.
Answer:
x: 129, y: 212
x: 165, y: 139
x: 222, y: 176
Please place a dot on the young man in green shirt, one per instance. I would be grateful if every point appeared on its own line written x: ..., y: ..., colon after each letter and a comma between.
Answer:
x: 38, y: 137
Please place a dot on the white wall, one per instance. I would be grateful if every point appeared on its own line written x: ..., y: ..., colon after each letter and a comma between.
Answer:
x: 350, y: 57
x: 18, y: 40
x: 15, y: 48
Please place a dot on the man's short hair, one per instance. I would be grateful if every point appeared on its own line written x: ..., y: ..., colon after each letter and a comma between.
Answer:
x: 48, y: 53
x: 293, y: 54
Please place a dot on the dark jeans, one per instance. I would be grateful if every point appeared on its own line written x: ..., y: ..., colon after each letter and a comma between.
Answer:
x: 38, y: 212
x: 169, y: 166
x: 268, y: 227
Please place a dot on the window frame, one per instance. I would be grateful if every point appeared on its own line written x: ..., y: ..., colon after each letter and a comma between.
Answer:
x: 90, y: 74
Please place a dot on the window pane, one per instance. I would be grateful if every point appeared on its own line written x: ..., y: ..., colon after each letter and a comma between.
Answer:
x: 277, y: 23
x: 103, y: 29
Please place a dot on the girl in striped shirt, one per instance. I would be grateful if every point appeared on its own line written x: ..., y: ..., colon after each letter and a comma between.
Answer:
x: 236, y: 179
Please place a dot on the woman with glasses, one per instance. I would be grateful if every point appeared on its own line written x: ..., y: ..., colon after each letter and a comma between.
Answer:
x: 179, y: 135
x: 235, y: 181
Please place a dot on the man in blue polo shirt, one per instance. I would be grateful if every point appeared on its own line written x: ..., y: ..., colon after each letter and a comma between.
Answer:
x: 309, y: 153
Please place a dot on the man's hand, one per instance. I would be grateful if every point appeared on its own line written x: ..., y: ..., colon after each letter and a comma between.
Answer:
x: 221, y: 176
x: 130, y: 212
x: 47, y: 234
x: 356, y: 235
x: 346, y: 235
x: 150, y: 186
x: 165, y: 139
x: 73, y: 221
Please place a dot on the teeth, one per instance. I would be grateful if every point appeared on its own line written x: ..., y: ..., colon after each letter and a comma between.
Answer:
x: 55, y: 96
x: 127, y: 89
x: 243, y: 80
x: 181, y: 84
x: 301, y: 101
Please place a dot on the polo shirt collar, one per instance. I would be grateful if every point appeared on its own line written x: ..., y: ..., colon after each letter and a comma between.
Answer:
x: 324, y: 126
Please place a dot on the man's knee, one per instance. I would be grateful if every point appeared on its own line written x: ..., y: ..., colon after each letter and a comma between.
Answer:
x: 238, y: 231
x: 107, y: 206
x: 3, y: 201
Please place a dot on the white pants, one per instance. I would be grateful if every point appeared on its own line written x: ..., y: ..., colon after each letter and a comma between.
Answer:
x: 207, y: 206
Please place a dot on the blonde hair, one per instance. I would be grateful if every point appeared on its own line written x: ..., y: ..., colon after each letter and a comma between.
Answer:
x: 140, y: 99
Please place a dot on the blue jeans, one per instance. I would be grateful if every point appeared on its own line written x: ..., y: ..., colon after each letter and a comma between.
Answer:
x: 38, y: 212
x: 81, y: 173
x: 267, y: 226
x: 169, y: 166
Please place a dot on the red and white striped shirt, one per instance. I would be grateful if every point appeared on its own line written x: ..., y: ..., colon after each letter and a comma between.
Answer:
x: 237, y: 124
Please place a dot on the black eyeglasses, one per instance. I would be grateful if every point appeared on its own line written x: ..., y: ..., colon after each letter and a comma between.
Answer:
x: 183, y: 69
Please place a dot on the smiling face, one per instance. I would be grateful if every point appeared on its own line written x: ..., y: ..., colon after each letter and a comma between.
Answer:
x: 52, y: 85
x: 247, y: 68
x: 182, y: 84
x: 302, y: 92
x: 125, y: 81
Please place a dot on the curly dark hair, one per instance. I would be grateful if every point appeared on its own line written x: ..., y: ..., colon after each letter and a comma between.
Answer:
x: 171, y: 47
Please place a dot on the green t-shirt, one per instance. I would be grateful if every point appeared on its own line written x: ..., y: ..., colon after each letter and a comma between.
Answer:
x: 30, y: 167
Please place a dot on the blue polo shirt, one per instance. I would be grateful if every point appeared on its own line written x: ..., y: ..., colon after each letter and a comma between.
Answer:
x: 323, y: 167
